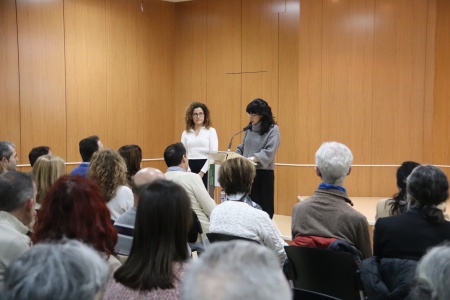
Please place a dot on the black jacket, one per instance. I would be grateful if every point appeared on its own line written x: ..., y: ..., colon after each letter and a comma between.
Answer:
x: 389, y: 278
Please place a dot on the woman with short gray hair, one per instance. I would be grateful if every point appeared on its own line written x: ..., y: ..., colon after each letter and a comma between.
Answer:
x: 67, y: 270
x: 432, y: 278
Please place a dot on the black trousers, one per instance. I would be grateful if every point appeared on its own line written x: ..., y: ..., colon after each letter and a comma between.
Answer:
x: 263, y: 190
x: 196, y: 166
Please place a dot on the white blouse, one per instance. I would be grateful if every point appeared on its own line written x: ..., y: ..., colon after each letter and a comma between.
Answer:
x: 205, y: 141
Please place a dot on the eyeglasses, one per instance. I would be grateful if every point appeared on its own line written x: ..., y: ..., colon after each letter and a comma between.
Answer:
x: 198, y: 115
x: 252, y: 115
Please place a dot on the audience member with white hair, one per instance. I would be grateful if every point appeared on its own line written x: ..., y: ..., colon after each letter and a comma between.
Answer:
x: 327, y: 215
x: 235, y: 270
x: 432, y: 279
x: 67, y: 270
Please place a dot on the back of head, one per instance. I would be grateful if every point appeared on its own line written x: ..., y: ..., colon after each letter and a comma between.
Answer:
x: 72, y: 208
x: 88, y: 146
x: 261, y: 107
x: 236, y: 270
x: 132, y: 154
x: 236, y: 175
x: 398, y: 206
x: 69, y: 270
x: 47, y: 169
x: 427, y: 187
x: 173, y: 155
x: 108, y: 170
x: 163, y: 218
x: 16, y: 188
x: 333, y: 161
x: 433, y: 275
x: 144, y: 177
x: 37, y: 152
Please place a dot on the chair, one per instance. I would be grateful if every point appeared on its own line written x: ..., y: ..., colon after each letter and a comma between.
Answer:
x: 222, y: 237
x: 324, y: 271
x: 301, y: 294
x: 124, y: 239
x: 195, y: 230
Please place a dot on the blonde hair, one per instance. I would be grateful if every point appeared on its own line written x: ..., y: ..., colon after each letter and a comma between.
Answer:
x: 46, y: 170
x: 109, y: 170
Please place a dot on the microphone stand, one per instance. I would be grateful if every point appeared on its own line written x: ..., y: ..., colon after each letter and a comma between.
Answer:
x: 244, y: 129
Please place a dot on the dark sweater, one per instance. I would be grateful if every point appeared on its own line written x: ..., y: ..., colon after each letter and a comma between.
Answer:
x: 408, y: 235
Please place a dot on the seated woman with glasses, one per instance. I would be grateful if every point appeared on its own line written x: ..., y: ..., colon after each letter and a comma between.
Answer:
x: 199, y: 137
x: 238, y: 215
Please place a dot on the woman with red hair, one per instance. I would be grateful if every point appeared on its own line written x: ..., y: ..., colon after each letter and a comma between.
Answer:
x: 74, y: 208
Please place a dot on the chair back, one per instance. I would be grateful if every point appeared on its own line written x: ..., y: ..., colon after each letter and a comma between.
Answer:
x: 301, y: 294
x: 222, y: 237
x: 124, y: 239
x: 324, y: 271
x: 195, y: 230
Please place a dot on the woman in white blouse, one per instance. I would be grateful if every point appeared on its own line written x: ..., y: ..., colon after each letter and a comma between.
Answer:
x: 199, y: 137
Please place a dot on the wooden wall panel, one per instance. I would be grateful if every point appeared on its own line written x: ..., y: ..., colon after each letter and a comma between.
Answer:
x: 189, y: 57
x: 260, y: 52
x: 9, y: 76
x: 347, y: 82
x: 399, y: 84
x: 398, y: 91
x: 85, y: 49
x: 42, y: 75
x: 429, y: 82
x: 223, y: 67
x: 439, y: 149
x: 139, y: 97
x: 287, y: 177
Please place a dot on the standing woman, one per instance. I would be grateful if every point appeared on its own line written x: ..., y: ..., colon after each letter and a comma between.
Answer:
x: 198, y: 137
x: 260, y: 145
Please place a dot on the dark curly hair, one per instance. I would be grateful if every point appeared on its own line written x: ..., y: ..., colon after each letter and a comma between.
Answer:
x: 190, y: 119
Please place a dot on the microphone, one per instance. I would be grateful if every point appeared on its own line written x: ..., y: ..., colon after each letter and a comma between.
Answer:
x: 244, y: 129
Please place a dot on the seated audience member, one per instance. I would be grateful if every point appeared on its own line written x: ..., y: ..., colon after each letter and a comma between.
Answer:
x: 398, y: 203
x: 8, y: 156
x: 125, y: 222
x: 327, y: 215
x: 88, y: 146
x: 132, y: 154
x: 74, y: 208
x: 235, y: 270
x: 400, y: 241
x: 46, y: 170
x: 155, y: 267
x: 109, y: 171
x: 37, y: 152
x: 17, y: 198
x: 237, y: 214
x: 202, y: 204
x: 408, y: 235
x: 432, y: 279
x: 69, y: 270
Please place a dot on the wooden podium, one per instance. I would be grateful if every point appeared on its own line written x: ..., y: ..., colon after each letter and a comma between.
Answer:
x: 218, y: 157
